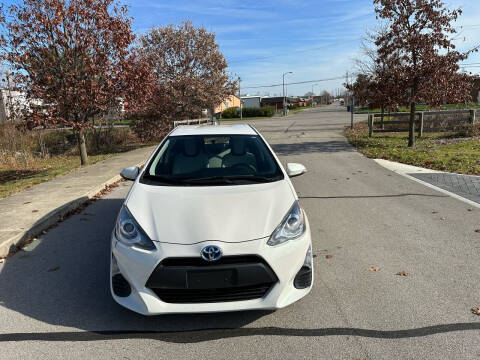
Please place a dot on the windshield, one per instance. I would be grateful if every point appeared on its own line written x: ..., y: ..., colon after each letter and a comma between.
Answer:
x: 209, y: 160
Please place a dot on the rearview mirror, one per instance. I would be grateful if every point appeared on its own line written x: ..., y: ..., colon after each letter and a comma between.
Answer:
x: 294, y: 169
x: 130, y: 173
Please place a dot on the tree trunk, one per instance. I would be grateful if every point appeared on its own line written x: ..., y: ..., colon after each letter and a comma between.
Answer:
x: 411, y: 125
x: 82, y: 147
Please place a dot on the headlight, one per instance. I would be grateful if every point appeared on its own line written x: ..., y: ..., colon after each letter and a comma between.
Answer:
x: 291, y: 227
x: 128, y: 232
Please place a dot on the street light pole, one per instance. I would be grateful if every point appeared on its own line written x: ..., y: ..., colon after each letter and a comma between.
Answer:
x: 283, y: 83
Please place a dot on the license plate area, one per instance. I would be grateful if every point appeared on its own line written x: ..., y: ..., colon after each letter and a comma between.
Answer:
x: 211, y: 279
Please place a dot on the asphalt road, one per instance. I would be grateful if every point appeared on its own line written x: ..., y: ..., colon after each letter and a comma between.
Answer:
x: 55, y: 301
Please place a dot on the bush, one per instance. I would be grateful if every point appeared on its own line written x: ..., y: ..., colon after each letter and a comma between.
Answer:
x: 266, y: 111
x: 230, y: 113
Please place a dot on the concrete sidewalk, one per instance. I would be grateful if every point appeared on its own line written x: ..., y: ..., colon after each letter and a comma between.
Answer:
x: 462, y: 187
x: 29, y: 212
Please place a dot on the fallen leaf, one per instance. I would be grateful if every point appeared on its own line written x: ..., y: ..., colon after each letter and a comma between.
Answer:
x: 469, y: 209
x: 54, y: 269
x: 329, y: 256
x: 348, y: 178
x: 28, y: 202
x: 476, y: 310
x: 477, y: 231
x: 402, y: 273
x: 443, y: 218
x: 434, y: 212
x: 33, y: 211
x: 374, y: 268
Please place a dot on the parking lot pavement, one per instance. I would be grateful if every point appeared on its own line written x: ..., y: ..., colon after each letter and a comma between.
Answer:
x: 55, y: 301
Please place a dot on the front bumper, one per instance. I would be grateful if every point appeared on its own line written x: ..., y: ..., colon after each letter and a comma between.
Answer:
x: 136, y: 266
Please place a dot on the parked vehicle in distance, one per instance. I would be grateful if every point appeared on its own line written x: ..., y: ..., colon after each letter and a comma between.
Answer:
x: 342, y: 102
x: 212, y: 223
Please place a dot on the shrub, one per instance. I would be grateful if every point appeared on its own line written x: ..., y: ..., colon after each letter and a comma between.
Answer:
x: 266, y: 111
x: 230, y: 113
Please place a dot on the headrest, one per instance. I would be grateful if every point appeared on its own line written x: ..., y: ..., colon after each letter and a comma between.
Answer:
x: 190, y: 147
x: 238, y: 146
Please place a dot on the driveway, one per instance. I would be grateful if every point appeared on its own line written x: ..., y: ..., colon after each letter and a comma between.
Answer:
x: 55, y: 301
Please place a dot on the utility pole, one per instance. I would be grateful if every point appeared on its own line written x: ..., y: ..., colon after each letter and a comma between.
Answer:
x: 284, y: 100
x: 240, y: 96
x: 313, y: 93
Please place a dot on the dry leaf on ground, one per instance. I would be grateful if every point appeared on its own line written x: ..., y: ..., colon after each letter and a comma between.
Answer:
x: 402, y: 273
x: 54, y: 269
x: 475, y: 310
x: 33, y: 211
x: 329, y: 256
x: 374, y: 268
x: 477, y: 231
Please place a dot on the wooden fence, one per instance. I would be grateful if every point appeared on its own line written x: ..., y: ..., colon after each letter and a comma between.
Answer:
x: 425, y: 121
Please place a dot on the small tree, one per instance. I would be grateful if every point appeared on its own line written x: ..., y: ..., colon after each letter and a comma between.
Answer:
x: 71, y: 58
x: 421, y: 56
x: 189, y: 68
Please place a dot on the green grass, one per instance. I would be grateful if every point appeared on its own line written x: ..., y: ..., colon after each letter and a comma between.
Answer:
x: 438, y: 151
x: 20, y: 175
x: 426, y: 108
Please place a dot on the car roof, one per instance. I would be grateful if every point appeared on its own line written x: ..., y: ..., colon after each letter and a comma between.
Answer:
x: 237, y: 129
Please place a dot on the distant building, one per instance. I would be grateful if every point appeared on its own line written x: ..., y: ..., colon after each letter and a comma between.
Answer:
x: 251, y: 101
x: 231, y: 101
x: 10, y: 99
x: 276, y: 101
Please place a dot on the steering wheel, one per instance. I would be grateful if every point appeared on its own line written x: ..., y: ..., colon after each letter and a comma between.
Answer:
x: 245, y: 166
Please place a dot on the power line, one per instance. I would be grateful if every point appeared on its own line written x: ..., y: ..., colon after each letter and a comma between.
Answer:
x: 293, y: 83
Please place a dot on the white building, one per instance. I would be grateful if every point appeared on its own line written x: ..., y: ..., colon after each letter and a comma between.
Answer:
x: 251, y: 101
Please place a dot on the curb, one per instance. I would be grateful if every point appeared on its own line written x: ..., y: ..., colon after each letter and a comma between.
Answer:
x: 51, y: 218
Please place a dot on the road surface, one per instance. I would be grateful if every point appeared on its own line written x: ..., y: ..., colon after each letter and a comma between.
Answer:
x: 55, y: 301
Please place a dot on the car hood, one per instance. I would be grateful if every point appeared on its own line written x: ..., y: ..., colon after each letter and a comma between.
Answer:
x: 189, y: 215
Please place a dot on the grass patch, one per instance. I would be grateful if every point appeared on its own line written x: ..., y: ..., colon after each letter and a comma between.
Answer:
x: 23, y: 176
x: 438, y: 151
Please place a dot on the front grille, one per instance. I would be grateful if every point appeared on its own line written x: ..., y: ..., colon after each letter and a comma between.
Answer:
x: 186, y: 296
x: 194, y: 280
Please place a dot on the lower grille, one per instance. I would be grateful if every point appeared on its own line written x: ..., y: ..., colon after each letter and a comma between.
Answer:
x: 187, y: 296
x: 194, y: 280
x: 120, y: 286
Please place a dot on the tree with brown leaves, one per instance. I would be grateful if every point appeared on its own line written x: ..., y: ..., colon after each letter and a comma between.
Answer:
x: 421, y: 56
x: 189, y: 67
x: 71, y: 58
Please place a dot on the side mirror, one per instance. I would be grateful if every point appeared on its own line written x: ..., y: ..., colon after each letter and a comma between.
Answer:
x: 130, y: 173
x: 294, y: 169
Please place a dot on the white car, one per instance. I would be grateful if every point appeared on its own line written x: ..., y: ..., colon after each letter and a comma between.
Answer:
x: 212, y: 223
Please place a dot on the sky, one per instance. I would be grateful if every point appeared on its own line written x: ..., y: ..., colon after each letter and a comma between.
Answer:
x: 314, y: 39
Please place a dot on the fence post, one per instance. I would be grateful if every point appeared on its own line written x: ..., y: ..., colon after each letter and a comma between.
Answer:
x: 370, y: 125
x: 473, y: 116
x: 420, y: 128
